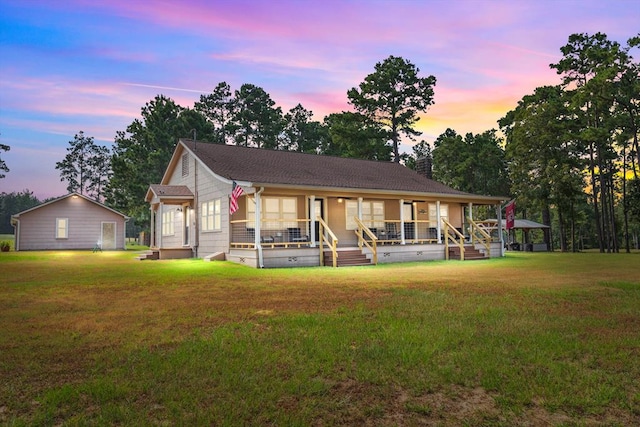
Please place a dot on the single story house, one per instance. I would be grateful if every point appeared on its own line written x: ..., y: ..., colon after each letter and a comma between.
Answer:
x: 73, y: 221
x: 308, y: 210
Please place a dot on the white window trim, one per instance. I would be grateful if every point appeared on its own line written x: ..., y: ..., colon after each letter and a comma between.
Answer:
x: 282, y: 216
x: 211, y: 210
x: 351, y: 210
x: 65, y: 229
x: 168, y: 225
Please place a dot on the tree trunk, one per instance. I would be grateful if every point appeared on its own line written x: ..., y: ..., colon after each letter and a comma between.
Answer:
x: 594, y: 189
x: 546, y: 220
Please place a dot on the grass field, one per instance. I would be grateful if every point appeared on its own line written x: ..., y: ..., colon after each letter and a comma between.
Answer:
x: 529, y: 339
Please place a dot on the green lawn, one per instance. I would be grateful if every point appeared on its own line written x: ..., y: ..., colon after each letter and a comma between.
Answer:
x: 529, y: 339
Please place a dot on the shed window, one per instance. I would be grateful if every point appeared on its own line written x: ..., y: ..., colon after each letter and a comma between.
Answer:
x: 62, y: 228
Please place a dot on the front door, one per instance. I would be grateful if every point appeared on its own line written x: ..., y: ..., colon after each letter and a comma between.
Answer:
x: 409, y: 225
x: 108, y: 237
x: 186, y: 214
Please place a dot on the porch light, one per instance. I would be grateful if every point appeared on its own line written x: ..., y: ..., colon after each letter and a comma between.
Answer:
x: 340, y: 199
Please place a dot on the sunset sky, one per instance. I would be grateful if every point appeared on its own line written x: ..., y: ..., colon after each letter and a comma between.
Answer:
x: 91, y: 65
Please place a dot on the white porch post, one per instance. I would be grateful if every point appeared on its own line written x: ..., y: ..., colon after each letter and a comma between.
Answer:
x: 312, y: 222
x: 402, y: 241
x: 470, y: 208
x: 258, y: 219
x: 161, y: 209
x: 499, y: 216
x: 152, y: 237
x: 360, y: 208
x: 439, y: 219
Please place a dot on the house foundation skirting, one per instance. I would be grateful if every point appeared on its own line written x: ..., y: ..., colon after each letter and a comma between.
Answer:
x: 310, y: 257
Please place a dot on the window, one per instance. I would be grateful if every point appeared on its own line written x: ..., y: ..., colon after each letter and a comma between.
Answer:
x: 185, y: 165
x: 372, y: 214
x: 167, y: 223
x: 62, y: 228
x: 211, y: 216
x: 444, y: 213
x: 275, y: 208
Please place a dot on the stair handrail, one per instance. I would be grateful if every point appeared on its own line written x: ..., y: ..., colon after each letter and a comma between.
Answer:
x: 484, y: 238
x: 452, y: 236
x: 332, y: 242
x: 373, y: 246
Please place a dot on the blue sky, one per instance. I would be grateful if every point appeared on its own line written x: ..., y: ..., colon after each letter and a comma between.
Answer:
x: 91, y: 65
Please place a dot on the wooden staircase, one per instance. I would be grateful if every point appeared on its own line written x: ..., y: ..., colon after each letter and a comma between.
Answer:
x: 346, y: 258
x: 470, y: 253
x: 150, y: 254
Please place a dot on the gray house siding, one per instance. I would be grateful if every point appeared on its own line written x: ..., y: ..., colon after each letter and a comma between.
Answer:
x: 85, y: 222
x: 208, y: 188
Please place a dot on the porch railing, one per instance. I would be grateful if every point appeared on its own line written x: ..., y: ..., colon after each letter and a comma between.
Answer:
x: 453, y: 235
x: 273, y: 233
x: 330, y: 240
x: 371, y: 243
x: 389, y: 231
x: 479, y: 235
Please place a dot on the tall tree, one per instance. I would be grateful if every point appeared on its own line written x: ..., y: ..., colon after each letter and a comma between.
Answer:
x: 475, y: 163
x: 392, y: 96
x: 217, y: 107
x: 11, y: 204
x: 142, y: 153
x: 355, y: 135
x: 256, y: 122
x: 3, y: 166
x: 589, y: 68
x: 544, y: 158
x: 85, y: 168
x: 301, y: 133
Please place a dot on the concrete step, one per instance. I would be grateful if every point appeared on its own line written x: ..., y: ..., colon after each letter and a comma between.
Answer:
x: 149, y: 255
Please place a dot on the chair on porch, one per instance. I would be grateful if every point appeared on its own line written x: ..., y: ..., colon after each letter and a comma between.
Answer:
x: 391, y: 232
x: 296, y: 236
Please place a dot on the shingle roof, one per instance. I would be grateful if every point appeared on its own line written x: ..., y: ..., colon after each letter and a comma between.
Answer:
x: 264, y: 166
x: 171, y: 190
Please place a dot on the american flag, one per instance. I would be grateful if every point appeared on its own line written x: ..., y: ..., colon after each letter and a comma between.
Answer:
x: 236, y: 192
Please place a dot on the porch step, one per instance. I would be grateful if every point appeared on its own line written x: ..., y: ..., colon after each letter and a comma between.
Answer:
x: 470, y: 253
x: 150, y: 254
x: 347, y: 258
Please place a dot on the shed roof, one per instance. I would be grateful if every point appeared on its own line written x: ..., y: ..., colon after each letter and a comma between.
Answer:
x: 15, y: 217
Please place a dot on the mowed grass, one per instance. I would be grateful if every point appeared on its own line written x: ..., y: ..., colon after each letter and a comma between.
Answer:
x: 529, y: 339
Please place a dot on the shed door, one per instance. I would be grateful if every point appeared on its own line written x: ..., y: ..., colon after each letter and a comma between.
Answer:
x: 108, y: 235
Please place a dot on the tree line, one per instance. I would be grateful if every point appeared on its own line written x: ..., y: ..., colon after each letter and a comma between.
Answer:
x: 567, y: 153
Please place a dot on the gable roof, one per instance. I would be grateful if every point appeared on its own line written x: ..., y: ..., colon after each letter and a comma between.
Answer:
x: 168, y: 192
x: 17, y: 216
x: 273, y: 167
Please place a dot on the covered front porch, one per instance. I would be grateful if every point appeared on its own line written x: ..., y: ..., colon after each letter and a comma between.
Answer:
x: 385, y: 229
